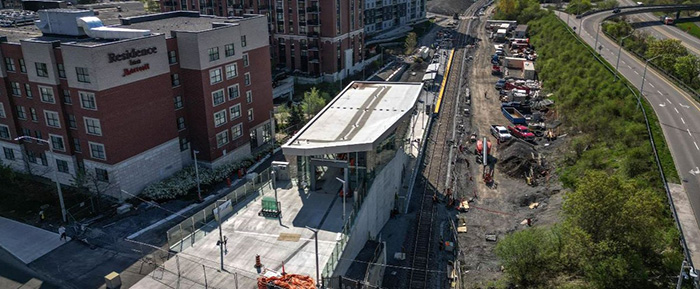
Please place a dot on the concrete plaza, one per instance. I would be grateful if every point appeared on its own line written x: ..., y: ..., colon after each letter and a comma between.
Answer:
x: 277, y: 241
x: 27, y: 243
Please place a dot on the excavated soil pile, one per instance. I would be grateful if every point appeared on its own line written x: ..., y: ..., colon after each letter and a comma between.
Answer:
x: 516, y: 159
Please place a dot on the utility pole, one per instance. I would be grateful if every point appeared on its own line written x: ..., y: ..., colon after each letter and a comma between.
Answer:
x: 318, y: 281
x: 221, y: 235
x: 196, y: 171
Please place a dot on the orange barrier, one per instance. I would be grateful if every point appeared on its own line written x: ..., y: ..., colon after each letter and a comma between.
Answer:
x: 289, y: 281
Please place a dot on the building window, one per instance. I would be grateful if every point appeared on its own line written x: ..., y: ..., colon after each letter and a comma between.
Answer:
x: 219, y: 118
x: 92, y: 126
x: 22, y: 67
x: 4, y: 132
x: 28, y: 90
x: 233, y: 92
x: 66, y: 97
x: 247, y: 78
x: 27, y: 132
x: 172, y: 56
x: 101, y: 175
x: 37, y: 134
x: 76, y: 145
x: 57, y: 142
x: 237, y: 131
x: 31, y: 157
x: 250, y: 114
x: 10, y: 64
x: 62, y: 166
x: 213, y: 53
x: 9, y: 154
x: 32, y: 114
x: 267, y: 132
x: 83, y: 74
x: 175, y: 79
x: 221, y: 138
x: 230, y: 50
x: 46, y: 94
x: 218, y: 97
x: 249, y: 96
x: 184, y: 144
x: 97, y: 151
x: 21, y: 113
x: 52, y: 118
x: 61, y: 70
x: 178, y: 102
x: 180, y: 123
x: 245, y: 60
x: 215, y: 76
x: 15, y: 89
x: 44, y: 161
x: 244, y: 42
x: 41, y: 69
x: 72, y: 123
x: 235, y: 111
x: 2, y: 110
x: 87, y: 100
x: 231, y: 70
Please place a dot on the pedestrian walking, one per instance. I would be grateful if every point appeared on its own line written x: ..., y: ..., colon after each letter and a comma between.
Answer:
x: 42, y: 217
x: 62, y: 233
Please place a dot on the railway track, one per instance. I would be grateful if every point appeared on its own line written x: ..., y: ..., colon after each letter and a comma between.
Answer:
x: 434, y: 172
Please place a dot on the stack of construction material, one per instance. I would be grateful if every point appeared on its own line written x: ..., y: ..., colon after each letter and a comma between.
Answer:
x: 520, y: 159
x: 288, y: 281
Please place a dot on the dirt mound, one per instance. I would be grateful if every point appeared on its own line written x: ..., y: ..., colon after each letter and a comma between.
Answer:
x: 519, y: 159
x: 447, y: 7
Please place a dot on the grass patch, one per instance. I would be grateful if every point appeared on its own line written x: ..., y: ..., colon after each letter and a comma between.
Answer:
x: 689, y: 27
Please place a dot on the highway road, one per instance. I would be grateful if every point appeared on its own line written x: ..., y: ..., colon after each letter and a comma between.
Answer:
x: 678, y: 113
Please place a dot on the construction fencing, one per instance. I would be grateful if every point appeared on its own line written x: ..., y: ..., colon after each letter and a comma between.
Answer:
x: 192, y: 229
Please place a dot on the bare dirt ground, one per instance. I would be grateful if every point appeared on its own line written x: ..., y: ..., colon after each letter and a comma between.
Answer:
x: 448, y: 7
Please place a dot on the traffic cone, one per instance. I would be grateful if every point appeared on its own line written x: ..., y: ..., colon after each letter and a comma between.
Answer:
x: 257, y: 261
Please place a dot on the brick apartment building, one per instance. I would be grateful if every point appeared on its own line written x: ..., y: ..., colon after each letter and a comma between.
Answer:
x: 316, y: 38
x: 129, y: 103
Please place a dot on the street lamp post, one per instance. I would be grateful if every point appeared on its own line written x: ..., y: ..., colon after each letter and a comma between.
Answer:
x: 596, y: 35
x: 644, y: 75
x: 619, y: 51
x: 345, y: 193
x: 55, y: 173
x: 221, y: 234
x: 318, y: 281
x: 196, y: 171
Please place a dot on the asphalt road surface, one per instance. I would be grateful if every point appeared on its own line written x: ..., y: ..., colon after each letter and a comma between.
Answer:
x: 14, y: 274
x: 678, y: 112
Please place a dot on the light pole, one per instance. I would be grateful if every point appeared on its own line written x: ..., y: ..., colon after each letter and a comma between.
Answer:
x: 196, y: 171
x: 644, y: 75
x: 55, y: 173
x: 596, y: 35
x: 318, y: 281
x: 221, y: 235
x: 345, y: 193
x: 619, y: 51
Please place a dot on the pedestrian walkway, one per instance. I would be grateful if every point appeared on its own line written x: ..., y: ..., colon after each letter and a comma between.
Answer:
x: 26, y: 242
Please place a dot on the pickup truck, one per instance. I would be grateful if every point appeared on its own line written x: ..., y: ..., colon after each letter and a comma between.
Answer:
x: 500, y: 132
x: 500, y: 83
x: 521, y: 132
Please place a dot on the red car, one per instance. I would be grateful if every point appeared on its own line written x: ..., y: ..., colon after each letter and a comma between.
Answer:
x: 521, y: 131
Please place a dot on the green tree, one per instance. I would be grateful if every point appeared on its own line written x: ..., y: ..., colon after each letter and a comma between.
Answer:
x: 688, y: 68
x: 529, y: 256
x: 411, y: 42
x: 579, y: 6
x: 295, y: 116
x: 312, y: 103
x: 669, y: 49
x: 507, y: 9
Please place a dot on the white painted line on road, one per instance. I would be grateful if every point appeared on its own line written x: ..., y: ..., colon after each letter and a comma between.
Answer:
x: 635, y: 72
x: 676, y: 110
x: 684, y: 106
x: 682, y: 120
x: 630, y: 67
x: 696, y: 146
x: 689, y: 131
x: 651, y: 84
x: 623, y: 62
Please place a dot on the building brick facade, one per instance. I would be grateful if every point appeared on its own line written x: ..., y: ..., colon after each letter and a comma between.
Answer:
x: 130, y: 111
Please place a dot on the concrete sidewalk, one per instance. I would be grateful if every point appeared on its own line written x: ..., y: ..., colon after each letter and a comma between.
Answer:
x: 686, y: 218
x: 26, y: 242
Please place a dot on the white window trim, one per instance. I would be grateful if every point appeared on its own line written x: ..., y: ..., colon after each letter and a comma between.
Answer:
x: 238, y: 89
x: 221, y: 76
x: 3, y: 113
x: 240, y: 113
x: 62, y: 141
x: 233, y: 137
x: 85, y: 122
x: 103, y: 149
x: 249, y: 96
x: 225, y: 118
x: 235, y: 65
x: 243, y: 59
x: 213, y: 103
x: 217, y: 139
x: 9, y: 132
x: 41, y: 95
x: 251, y: 116
x: 46, y: 118
x: 182, y: 101
x: 184, y: 124
x: 80, y: 98
x: 250, y: 80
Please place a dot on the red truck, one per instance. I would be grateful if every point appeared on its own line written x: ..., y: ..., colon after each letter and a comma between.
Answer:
x: 521, y: 131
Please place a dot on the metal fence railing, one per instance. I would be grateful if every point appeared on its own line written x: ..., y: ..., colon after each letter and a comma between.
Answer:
x: 189, y: 231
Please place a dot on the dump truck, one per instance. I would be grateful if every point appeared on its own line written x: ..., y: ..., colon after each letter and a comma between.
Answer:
x: 500, y: 132
x: 521, y: 132
x: 513, y: 115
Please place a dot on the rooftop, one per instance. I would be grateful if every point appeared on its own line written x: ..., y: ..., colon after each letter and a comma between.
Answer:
x: 356, y: 119
x: 175, y: 21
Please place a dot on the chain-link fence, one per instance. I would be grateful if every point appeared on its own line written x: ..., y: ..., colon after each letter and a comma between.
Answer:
x: 194, y: 228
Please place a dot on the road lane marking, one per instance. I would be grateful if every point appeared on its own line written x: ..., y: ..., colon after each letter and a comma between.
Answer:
x: 676, y: 110
x: 696, y: 146
x: 689, y: 131
x: 630, y: 67
x: 684, y: 106
x: 651, y: 84
x: 662, y: 104
x: 635, y: 72
x: 682, y: 120
x: 669, y: 102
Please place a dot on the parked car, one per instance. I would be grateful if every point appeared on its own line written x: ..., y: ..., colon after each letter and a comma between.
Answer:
x: 500, y: 132
x: 616, y: 10
x: 521, y: 132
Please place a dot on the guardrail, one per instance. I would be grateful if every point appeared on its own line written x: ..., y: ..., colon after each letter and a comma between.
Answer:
x: 640, y: 9
x: 593, y: 52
